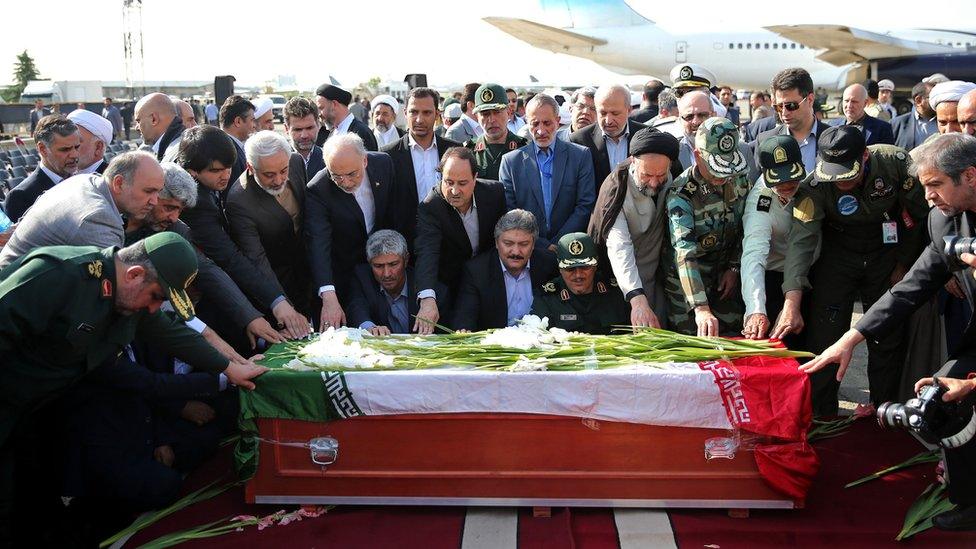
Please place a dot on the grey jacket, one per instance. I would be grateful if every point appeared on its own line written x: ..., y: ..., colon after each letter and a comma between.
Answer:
x: 79, y: 211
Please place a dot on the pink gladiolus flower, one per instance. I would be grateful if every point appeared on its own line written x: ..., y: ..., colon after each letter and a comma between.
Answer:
x: 312, y: 511
x: 243, y: 517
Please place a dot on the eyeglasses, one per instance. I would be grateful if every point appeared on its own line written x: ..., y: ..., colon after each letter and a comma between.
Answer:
x: 789, y: 105
x: 698, y: 115
x: 338, y: 177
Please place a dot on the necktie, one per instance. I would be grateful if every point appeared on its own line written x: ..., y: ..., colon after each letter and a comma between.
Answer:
x: 544, y: 157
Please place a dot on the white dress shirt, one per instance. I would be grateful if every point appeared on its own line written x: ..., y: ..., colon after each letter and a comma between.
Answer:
x: 343, y: 127
x: 425, y: 163
x: 364, y: 197
x: 55, y: 178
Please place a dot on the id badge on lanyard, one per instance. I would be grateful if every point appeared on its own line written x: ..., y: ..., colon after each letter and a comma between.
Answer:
x: 889, y: 231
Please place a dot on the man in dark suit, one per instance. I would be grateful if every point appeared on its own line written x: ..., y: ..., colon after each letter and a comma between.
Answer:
x: 208, y: 154
x: 381, y: 297
x: 58, y: 142
x: 160, y: 125
x: 915, y: 126
x: 549, y: 177
x: 265, y: 211
x: 237, y: 121
x: 793, y: 100
x: 415, y: 159
x: 345, y: 203
x: 454, y: 223
x: 498, y: 286
x: 875, y: 131
x: 608, y: 139
x: 333, y: 103
x: 36, y: 114
x: 222, y: 305
x: 302, y: 125
x: 649, y: 107
x: 756, y: 127
x: 953, y: 190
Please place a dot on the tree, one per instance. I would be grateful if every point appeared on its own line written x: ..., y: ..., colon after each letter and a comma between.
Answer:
x: 24, y: 71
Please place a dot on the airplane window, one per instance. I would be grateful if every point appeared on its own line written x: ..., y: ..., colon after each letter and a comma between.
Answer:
x: 757, y: 45
x: 731, y: 45
x: 749, y: 46
x: 775, y: 46
x: 793, y: 46
x: 766, y: 46
x: 740, y: 45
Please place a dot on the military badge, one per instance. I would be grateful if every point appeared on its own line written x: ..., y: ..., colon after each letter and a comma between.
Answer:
x: 804, y: 210
x: 726, y: 143
x: 87, y: 328
x: 779, y: 155
x: 847, y: 204
x: 95, y: 268
x: 685, y: 73
x: 709, y: 241
x: 901, y: 156
x: 564, y: 295
x: 549, y: 287
x: 908, y: 184
x: 601, y: 287
x: 576, y: 247
x: 487, y: 95
x: 879, y: 183
x: 764, y: 203
x: 106, y: 288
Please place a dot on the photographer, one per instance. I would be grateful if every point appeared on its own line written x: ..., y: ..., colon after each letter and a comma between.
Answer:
x: 946, y: 167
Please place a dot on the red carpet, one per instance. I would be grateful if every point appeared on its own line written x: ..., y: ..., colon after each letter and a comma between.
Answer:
x: 867, y: 516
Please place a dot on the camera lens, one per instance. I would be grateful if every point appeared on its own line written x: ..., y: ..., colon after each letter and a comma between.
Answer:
x: 955, y: 246
x: 892, y: 414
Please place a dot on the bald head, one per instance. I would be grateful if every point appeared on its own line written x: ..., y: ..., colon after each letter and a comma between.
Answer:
x: 855, y: 98
x: 612, y: 109
x: 693, y: 109
x: 966, y: 112
x: 186, y: 114
x: 153, y: 114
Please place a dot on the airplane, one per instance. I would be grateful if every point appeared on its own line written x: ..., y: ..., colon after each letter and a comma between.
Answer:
x: 614, y: 35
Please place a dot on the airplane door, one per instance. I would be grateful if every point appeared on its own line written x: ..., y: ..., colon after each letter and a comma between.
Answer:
x: 680, y: 52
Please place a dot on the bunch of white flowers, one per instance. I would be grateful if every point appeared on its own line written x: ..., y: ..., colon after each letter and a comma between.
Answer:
x: 343, y: 348
x: 531, y: 332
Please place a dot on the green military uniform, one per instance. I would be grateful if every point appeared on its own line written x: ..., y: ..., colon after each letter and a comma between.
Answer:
x: 596, y: 312
x: 489, y: 157
x: 58, y: 321
x: 705, y: 224
x: 865, y: 232
x: 491, y: 97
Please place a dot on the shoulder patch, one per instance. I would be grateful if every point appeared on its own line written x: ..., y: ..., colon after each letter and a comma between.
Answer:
x: 564, y: 295
x: 601, y: 287
x: 764, y: 203
x: 549, y: 287
x: 95, y: 268
x: 804, y: 210
x: 908, y: 184
x: 901, y: 156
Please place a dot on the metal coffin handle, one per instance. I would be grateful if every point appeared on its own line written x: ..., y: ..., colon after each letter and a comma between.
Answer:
x: 324, y: 450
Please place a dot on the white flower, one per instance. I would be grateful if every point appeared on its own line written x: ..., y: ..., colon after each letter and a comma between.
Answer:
x: 532, y: 321
x: 524, y: 364
x: 297, y: 366
x: 344, y: 348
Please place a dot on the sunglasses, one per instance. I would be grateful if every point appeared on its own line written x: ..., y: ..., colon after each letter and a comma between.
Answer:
x: 698, y: 115
x: 790, y: 105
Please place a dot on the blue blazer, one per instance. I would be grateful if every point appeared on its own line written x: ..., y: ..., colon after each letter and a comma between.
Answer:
x: 573, y: 188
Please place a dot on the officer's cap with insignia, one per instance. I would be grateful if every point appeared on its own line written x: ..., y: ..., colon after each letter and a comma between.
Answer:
x: 781, y: 161
x: 691, y: 75
x: 839, y: 153
x: 490, y: 97
x: 717, y: 140
x: 175, y: 262
x: 576, y: 250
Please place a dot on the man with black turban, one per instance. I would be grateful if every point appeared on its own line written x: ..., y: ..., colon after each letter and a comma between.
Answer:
x: 630, y: 221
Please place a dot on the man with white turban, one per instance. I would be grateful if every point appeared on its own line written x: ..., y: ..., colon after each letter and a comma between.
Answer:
x: 384, y: 112
x: 944, y: 99
x: 96, y: 133
x: 264, y: 113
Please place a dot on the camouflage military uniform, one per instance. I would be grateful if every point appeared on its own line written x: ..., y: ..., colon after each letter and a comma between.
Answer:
x: 594, y: 313
x: 706, y: 240
x: 864, y: 233
x: 489, y: 156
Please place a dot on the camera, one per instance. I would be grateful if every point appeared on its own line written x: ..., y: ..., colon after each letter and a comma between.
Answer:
x: 955, y: 246
x: 946, y: 424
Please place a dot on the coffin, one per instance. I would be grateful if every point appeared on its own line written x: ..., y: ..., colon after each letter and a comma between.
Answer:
x: 616, y: 438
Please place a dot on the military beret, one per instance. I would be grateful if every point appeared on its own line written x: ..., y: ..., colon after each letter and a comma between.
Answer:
x: 334, y: 93
x: 650, y: 140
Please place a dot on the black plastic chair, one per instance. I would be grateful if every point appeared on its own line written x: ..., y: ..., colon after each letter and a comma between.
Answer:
x: 19, y: 171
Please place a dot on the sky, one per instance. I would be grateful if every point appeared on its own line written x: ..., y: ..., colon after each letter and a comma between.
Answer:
x: 354, y: 41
